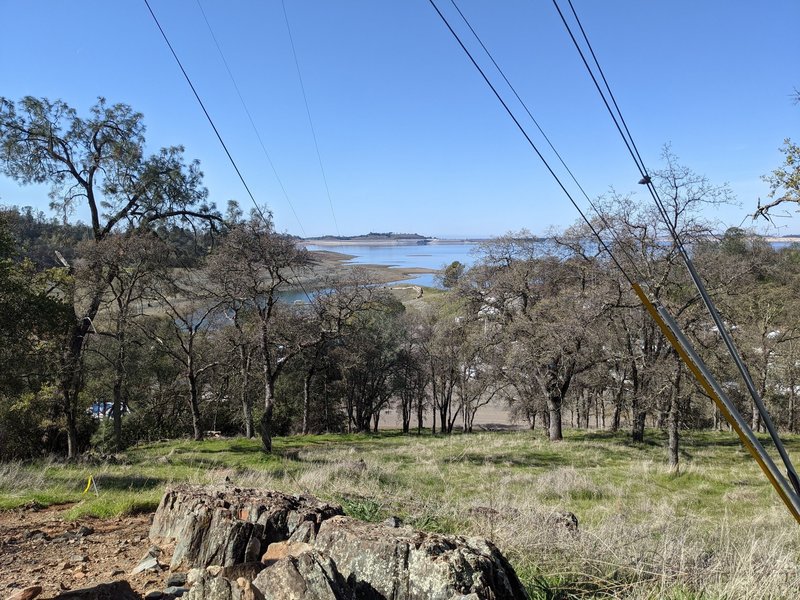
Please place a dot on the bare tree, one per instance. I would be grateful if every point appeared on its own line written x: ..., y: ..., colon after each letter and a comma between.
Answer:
x: 253, y: 265
x: 191, y: 310
x: 135, y: 258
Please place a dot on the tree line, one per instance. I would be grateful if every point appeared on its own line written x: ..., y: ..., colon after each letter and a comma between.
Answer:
x: 164, y: 317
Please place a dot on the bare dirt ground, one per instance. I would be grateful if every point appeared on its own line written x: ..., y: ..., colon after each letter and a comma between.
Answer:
x: 494, y: 416
x: 38, y: 547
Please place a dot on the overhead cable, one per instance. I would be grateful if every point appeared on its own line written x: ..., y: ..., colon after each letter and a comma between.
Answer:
x: 260, y: 212
x: 310, y: 120
x: 203, y: 106
x: 530, y: 141
x: 624, y: 132
x: 533, y: 119
x: 250, y: 118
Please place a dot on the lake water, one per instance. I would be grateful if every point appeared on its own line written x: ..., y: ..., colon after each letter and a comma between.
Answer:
x: 426, y: 256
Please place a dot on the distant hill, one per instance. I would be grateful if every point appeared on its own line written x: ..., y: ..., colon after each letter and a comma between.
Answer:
x: 371, y: 237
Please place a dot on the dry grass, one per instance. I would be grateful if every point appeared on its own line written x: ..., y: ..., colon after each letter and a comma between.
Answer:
x: 713, y: 531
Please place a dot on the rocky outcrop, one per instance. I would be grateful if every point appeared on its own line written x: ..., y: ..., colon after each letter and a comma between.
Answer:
x: 379, y: 561
x: 227, y: 525
x: 276, y: 547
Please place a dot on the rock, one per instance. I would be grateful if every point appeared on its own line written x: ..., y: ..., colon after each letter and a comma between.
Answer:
x: 379, y: 561
x: 154, y: 595
x: 147, y: 563
x: 280, y: 550
x: 28, y: 593
x: 312, y: 551
x: 247, y: 571
x: 565, y: 519
x: 193, y: 576
x: 208, y: 587
x: 119, y: 590
x: 36, y: 534
x: 176, y: 591
x: 176, y: 579
x: 309, y: 576
x: 248, y: 591
x: 85, y: 530
x: 393, y: 522
x: 305, y: 532
x: 227, y: 525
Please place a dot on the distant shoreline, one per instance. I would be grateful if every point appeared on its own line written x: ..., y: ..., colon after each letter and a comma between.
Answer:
x: 388, y: 242
x: 789, y: 239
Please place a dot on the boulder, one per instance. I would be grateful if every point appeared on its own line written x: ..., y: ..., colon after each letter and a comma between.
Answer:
x: 378, y: 561
x: 227, y: 525
x: 307, y: 576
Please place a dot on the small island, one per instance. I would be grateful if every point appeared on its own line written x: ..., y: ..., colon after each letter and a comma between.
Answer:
x: 389, y: 238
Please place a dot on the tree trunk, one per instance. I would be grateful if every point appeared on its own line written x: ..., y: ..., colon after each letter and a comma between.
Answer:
x: 244, y: 393
x: 116, y: 414
x: 194, y: 403
x: 119, y: 384
x: 637, y: 427
x: 673, y: 421
x: 554, y: 408
x: 71, y: 384
x: 307, y: 398
x: 266, y: 418
x: 755, y: 418
x: 420, y: 411
x: 72, y: 429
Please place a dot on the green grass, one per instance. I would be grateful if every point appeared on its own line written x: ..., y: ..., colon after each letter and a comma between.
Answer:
x: 715, y: 529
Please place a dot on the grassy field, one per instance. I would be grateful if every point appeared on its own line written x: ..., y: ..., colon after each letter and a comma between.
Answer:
x: 715, y: 530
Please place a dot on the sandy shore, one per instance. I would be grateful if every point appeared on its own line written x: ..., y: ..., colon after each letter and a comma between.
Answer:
x: 330, y: 264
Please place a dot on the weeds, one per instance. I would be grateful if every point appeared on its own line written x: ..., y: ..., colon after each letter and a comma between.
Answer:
x: 712, y: 531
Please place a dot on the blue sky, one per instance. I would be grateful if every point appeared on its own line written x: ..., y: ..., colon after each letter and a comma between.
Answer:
x: 411, y: 138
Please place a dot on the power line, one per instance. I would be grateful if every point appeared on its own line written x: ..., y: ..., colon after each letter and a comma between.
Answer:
x: 264, y: 218
x: 597, y: 211
x: 530, y: 142
x: 310, y: 120
x: 203, y: 106
x: 706, y: 298
x: 250, y: 118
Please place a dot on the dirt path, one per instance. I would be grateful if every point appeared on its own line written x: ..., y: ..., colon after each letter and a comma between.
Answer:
x: 38, y: 547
